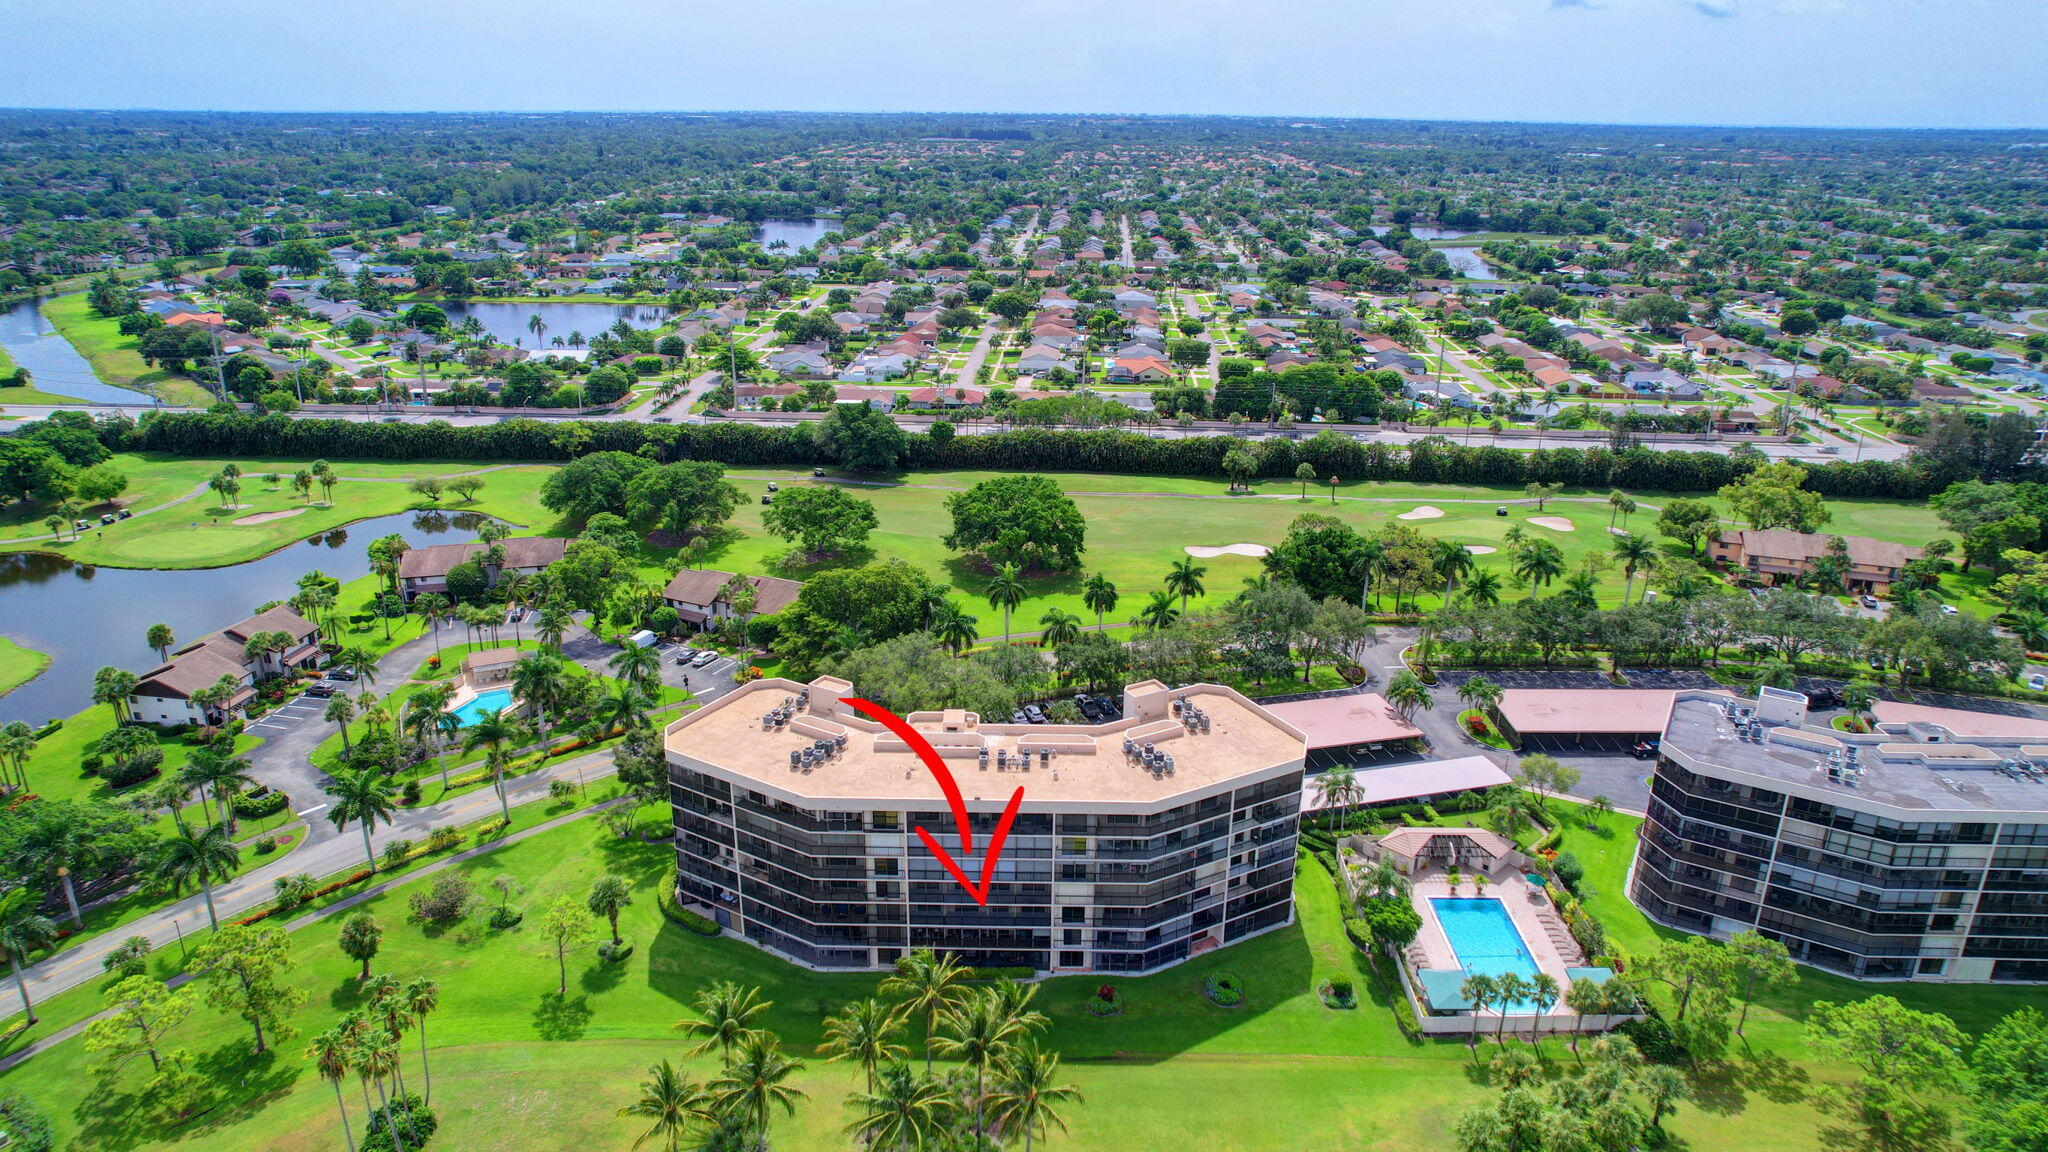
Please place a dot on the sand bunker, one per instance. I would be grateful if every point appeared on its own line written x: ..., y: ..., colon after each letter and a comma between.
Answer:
x: 267, y: 517
x: 1426, y: 512
x: 1206, y: 552
x: 1554, y: 523
x: 1480, y: 549
x: 1617, y: 531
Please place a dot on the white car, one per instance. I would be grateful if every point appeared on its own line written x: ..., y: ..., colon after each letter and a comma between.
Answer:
x: 703, y: 658
x: 2038, y: 682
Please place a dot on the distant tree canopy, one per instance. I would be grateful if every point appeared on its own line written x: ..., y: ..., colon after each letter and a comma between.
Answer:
x: 1024, y: 520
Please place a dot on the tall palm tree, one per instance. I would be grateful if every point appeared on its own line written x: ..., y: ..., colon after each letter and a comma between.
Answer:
x: 1159, y: 611
x: 1028, y: 1094
x: 1637, y: 554
x: 725, y: 1018
x: 1099, y: 595
x: 980, y: 1034
x: 539, y: 679
x: 907, y: 1112
x: 495, y: 732
x: 954, y: 628
x: 221, y: 773
x: 113, y: 686
x: 1184, y: 579
x: 201, y: 859
x: 620, y: 706
x: 329, y: 1054
x: 1543, y: 992
x: 1338, y: 787
x: 1451, y: 561
x: 427, y: 718
x: 538, y: 327
x: 22, y: 931
x: 1477, y: 990
x: 364, y: 798
x: 376, y: 1056
x: 421, y: 996
x: 340, y: 710
x: 1006, y: 591
x: 755, y: 1082
x: 1483, y: 588
x: 640, y: 667
x: 931, y: 984
x: 864, y: 1032
x: 1539, y: 562
x: 1058, y: 627
x: 670, y: 1103
x: 1509, y: 989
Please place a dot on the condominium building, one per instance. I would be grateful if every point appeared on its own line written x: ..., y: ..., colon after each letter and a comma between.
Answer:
x: 1916, y: 851
x: 1138, y: 843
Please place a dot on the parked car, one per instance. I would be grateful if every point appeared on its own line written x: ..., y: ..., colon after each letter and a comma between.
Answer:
x: 1823, y: 698
x: 319, y: 688
x: 1644, y: 749
x: 340, y: 674
x: 1870, y: 602
x: 2038, y: 682
x: 703, y: 658
x: 1017, y: 717
x: 1033, y: 714
x: 1948, y: 610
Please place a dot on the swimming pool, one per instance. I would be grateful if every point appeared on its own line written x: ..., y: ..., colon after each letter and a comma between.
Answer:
x: 488, y: 700
x: 1485, y: 940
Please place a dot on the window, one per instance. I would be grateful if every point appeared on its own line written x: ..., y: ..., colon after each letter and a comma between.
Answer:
x: 1072, y: 960
x: 1074, y: 845
x: 1073, y: 915
x: 1932, y: 967
x: 887, y: 821
x: 885, y: 865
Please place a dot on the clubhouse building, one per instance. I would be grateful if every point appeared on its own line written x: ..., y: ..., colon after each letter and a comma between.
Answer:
x: 1138, y: 844
x: 1916, y: 851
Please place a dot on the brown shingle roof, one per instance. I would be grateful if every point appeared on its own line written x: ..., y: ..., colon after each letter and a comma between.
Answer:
x: 520, y: 552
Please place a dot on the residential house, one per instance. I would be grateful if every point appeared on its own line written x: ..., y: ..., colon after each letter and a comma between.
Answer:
x: 163, y: 695
x: 1145, y: 369
x: 1781, y: 556
x: 426, y: 569
x: 703, y: 597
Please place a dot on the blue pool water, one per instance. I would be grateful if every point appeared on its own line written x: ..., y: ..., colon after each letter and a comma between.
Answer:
x: 1485, y: 939
x: 488, y: 700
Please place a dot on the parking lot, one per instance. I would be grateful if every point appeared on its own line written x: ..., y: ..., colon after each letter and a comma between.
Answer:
x: 287, y: 716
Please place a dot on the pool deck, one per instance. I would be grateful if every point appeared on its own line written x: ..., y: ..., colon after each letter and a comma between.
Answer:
x: 1541, y: 929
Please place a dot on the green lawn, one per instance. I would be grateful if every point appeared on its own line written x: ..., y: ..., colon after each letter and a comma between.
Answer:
x: 19, y: 665
x: 114, y: 357
x: 510, y: 1058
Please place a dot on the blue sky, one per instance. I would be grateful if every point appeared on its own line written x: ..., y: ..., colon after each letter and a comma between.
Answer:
x: 1965, y: 63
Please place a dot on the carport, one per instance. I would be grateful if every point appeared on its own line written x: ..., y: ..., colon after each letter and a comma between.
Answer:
x: 1358, y: 729
x: 1584, y: 719
x: 1416, y: 780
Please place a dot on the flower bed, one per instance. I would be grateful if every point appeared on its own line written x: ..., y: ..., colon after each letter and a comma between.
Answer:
x: 1105, y: 1002
x: 1224, y: 989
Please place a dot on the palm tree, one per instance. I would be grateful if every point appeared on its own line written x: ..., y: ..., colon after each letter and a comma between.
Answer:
x: 670, y: 1104
x: 863, y: 1033
x: 376, y: 1056
x: 930, y: 984
x: 1480, y: 693
x: 329, y: 1054
x: 201, y: 859
x: 220, y: 774
x: 1159, y: 611
x: 640, y: 667
x: 1406, y: 692
x: 979, y: 1033
x: 1539, y: 562
x: 22, y: 931
x: 364, y: 798
x: 1099, y: 596
x: 427, y: 718
x: 726, y: 1015
x: 1452, y: 562
x: 340, y: 710
x: 907, y: 1113
x: 1028, y: 1096
x: 360, y: 661
x: 1184, y: 579
x: 1338, y: 788
x: 494, y: 732
x: 1621, y: 504
x: 539, y: 680
x: 112, y: 687
x: 1005, y: 590
x: 754, y: 1083
x: 161, y: 638
x: 1509, y: 988
x: 552, y: 624
x: 1059, y: 627
x: 1483, y: 588
x: 1637, y: 555
x: 538, y: 327
x: 954, y: 628
x: 1543, y: 992
x: 608, y: 896
x: 1479, y: 990
x: 421, y: 996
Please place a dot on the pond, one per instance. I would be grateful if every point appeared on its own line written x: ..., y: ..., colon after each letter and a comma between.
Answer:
x: 507, y: 323
x: 795, y: 233
x: 85, y: 618
x: 53, y: 364
x: 1469, y: 261
x: 1428, y: 232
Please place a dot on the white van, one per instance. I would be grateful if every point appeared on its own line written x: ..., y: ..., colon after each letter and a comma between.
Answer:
x: 642, y: 639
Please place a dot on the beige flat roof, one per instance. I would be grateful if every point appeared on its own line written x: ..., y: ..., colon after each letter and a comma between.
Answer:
x: 878, y: 770
x: 1960, y: 721
x: 1332, y: 721
x: 1591, y: 711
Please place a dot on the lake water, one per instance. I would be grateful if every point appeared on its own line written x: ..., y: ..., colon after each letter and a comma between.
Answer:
x: 52, y: 362
x: 796, y: 233
x: 507, y: 322
x: 1429, y: 232
x: 1469, y: 261
x: 85, y: 618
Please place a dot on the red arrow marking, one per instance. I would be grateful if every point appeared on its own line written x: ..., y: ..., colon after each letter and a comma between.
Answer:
x: 954, y: 800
